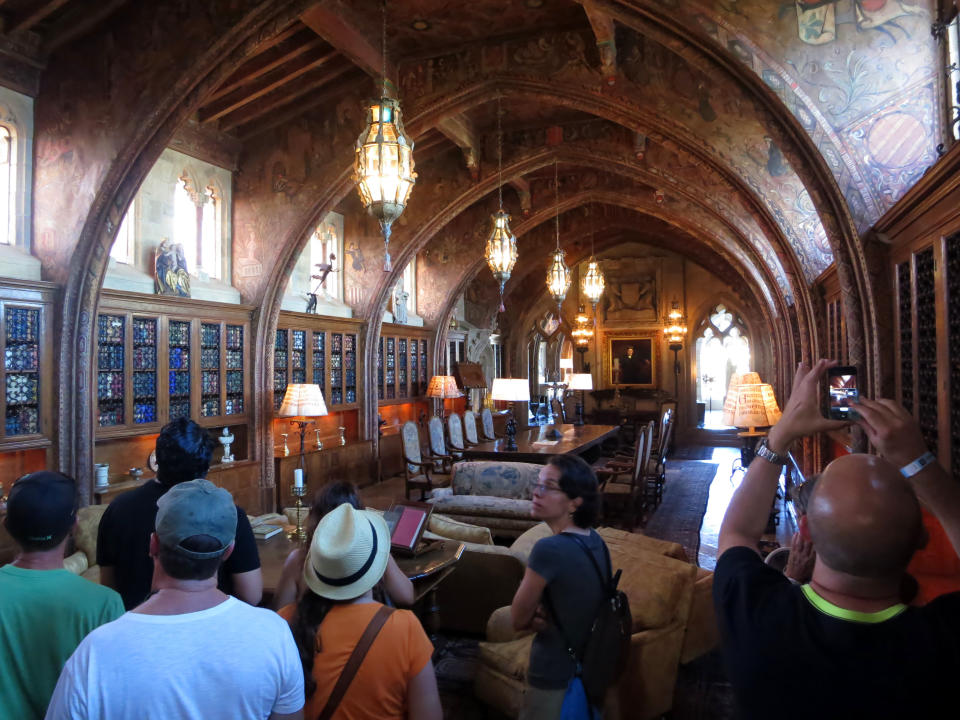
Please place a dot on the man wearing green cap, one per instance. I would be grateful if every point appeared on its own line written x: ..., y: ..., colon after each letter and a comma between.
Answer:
x: 189, y: 651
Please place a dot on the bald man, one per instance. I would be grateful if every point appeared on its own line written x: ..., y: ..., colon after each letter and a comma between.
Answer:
x: 843, y: 645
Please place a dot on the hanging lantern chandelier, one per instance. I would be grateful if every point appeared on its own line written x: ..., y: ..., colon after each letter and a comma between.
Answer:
x: 501, y: 249
x: 558, y: 274
x: 593, y: 281
x: 383, y: 168
x: 676, y: 330
x: 582, y: 332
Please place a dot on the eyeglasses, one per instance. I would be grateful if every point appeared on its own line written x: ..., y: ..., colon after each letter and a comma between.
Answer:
x: 541, y: 488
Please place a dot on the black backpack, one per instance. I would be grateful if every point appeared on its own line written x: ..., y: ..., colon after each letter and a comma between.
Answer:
x: 603, y: 657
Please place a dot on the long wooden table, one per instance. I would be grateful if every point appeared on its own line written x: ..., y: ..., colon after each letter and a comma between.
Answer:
x: 534, y: 446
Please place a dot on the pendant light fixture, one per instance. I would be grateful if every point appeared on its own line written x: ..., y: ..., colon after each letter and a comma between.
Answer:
x: 501, y: 249
x: 558, y: 274
x: 593, y: 281
x: 383, y: 168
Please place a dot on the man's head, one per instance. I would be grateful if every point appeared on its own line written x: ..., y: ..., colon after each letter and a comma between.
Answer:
x: 864, y: 518
x: 41, y: 510
x: 184, y: 450
x: 629, y: 352
x: 196, y: 526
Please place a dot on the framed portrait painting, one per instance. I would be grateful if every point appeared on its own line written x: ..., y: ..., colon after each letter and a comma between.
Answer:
x: 631, y: 361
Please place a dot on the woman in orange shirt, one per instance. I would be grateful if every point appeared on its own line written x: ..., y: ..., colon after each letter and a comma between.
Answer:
x: 395, y: 681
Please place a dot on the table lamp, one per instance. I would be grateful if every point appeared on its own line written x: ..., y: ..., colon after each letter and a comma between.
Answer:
x: 581, y: 382
x: 301, y: 403
x: 511, y: 390
x: 566, y: 369
x: 443, y: 387
x: 730, y: 401
x: 756, y: 407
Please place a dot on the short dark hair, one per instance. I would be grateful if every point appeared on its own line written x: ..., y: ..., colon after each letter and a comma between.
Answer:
x: 331, y: 496
x: 184, y: 450
x: 577, y: 480
x: 180, y: 567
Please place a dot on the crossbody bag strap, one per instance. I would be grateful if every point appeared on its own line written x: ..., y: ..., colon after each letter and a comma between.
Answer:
x: 354, y: 661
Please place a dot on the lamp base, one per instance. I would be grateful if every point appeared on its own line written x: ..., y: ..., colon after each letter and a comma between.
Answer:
x: 579, y: 419
x: 552, y: 434
x: 511, y: 432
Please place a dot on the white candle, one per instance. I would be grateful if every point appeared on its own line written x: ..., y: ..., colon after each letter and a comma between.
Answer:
x: 298, y: 478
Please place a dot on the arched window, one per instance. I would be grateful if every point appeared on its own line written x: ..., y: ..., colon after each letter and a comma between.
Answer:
x: 210, y: 259
x: 196, y: 223
x: 186, y: 215
x: 723, y: 349
x: 123, y: 245
x: 8, y: 184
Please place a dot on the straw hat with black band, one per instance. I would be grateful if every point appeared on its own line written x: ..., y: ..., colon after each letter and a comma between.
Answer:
x: 348, y: 554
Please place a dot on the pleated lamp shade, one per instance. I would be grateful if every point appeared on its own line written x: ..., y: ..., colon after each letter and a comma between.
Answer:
x: 510, y: 390
x: 581, y: 381
x: 302, y: 401
x: 730, y: 401
x: 756, y: 406
x: 443, y: 386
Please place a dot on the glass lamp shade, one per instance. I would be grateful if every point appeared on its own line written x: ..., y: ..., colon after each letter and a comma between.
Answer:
x: 581, y: 381
x: 593, y: 282
x: 383, y: 168
x: 443, y: 386
x: 756, y: 406
x: 302, y: 401
x: 558, y: 277
x: 676, y: 330
x: 730, y: 401
x: 510, y: 390
x: 501, y: 249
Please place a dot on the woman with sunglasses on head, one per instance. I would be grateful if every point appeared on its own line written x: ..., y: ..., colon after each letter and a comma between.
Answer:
x: 560, y: 591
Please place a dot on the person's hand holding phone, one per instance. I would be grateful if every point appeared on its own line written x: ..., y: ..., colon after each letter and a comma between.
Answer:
x: 801, y: 414
x: 891, y: 429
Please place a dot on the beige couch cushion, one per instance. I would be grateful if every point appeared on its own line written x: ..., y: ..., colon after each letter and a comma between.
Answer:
x: 455, y: 530
x: 510, y: 658
x: 524, y: 544
x: 496, y: 479
x: 76, y: 563
x: 88, y: 523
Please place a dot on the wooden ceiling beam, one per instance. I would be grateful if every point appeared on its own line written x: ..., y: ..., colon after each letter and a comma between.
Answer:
x: 342, y: 32
x: 260, y: 66
x: 604, y: 31
x: 38, y: 14
x: 76, y: 25
x: 244, y: 96
x: 284, y: 96
x: 250, y: 127
x: 459, y: 130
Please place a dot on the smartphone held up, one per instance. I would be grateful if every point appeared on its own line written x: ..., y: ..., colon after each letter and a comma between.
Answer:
x: 842, y: 386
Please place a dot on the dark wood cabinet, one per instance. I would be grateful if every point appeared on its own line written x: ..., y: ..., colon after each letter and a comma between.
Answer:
x: 402, y: 364
x: 353, y: 462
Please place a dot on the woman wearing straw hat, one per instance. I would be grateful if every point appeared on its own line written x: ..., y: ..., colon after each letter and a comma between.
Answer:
x: 361, y: 659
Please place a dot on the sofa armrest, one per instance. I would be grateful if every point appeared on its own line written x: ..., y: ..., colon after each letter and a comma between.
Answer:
x: 486, y: 578
x: 500, y: 627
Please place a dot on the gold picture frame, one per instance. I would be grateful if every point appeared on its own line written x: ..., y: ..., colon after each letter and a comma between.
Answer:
x: 639, y: 368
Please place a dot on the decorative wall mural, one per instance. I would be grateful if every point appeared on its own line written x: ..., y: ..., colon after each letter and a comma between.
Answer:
x: 632, y: 290
x: 817, y: 20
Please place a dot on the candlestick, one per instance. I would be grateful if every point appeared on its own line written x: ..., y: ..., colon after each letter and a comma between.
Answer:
x: 319, y: 442
x: 286, y: 449
x: 343, y: 438
x: 299, y: 534
x: 298, y: 478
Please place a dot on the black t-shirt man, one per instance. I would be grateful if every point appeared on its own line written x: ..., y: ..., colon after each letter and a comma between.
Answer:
x: 123, y: 542
x: 792, y: 654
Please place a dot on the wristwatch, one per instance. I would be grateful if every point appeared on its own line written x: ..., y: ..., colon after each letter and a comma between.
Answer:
x: 764, y: 451
x: 911, y: 469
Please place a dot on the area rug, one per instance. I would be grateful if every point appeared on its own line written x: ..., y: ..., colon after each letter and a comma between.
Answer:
x: 692, y: 452
x: 703, y: 691
x: 455, y: 660
x: 685, y: 494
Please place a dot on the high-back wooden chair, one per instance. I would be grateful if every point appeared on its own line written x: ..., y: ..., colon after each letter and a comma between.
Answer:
x: 438, y: 446
x: 470, y: 428
x: 455, y: 435
x: 486, y: 420
x: 417, y: 470
x: 657, y: 465
x: 624, y: 480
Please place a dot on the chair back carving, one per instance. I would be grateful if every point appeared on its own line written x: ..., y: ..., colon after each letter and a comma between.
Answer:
x: 647, y: 432
x: 470, y: 427
x: 486, y: 417
x: 455, y: 430
x: 437, y: 444
x: 410, y: 435
x: 639, y: 465
x: 666, y: 428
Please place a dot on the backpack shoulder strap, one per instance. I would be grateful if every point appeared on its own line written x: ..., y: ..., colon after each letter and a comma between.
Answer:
x: 593, y: 561
x: 354, y: 661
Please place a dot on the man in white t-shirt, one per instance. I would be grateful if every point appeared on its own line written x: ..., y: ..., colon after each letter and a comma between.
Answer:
x: 189, y: 651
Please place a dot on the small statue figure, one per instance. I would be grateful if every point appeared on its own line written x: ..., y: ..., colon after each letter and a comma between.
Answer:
x: 400, y: 297
x: 170, y: 266
x: 311, y: 302
x: 225, y: 439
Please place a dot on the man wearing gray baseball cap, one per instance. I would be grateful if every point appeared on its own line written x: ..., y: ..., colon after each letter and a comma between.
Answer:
x: 189, y: 651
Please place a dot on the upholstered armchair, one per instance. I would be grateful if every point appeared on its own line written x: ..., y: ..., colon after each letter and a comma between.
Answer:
x: 470, y: 428
x: 438, y: 446
x: 83, y: 561
x: 486, y: 421
x: 418, y: 472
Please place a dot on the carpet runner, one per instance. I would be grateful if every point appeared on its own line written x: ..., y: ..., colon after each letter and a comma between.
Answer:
x: 685, y: 494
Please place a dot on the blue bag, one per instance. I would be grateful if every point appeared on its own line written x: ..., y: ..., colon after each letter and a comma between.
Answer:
x: 576, y: 706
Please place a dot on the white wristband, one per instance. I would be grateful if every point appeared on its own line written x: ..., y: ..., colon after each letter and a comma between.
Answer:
x: 917, y: 465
